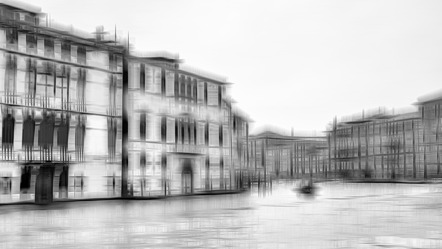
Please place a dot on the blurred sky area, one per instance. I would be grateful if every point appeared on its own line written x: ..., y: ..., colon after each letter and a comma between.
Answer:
x: 293, y: 63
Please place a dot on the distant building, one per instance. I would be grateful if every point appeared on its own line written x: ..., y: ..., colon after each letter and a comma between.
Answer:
x: 280, y: 156
x: 380, y: 144
x: 430, y: 113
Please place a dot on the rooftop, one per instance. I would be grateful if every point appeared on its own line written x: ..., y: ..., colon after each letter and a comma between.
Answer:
x: 429, y: 97
x: 21, y: 5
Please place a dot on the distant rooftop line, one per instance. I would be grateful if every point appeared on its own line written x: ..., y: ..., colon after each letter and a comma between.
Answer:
x: 376, y: 113
x: 203, y: 73
x: 284, y: 132
x: 156, y: 54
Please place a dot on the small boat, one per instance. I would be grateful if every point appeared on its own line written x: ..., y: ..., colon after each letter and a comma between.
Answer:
x: 307, y: 187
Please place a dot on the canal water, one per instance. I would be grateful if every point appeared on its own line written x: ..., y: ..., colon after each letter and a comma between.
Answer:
x: 340, y: 215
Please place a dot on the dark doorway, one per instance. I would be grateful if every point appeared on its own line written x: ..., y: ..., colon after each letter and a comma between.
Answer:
x: 187, y: 177
x: 44, y: 185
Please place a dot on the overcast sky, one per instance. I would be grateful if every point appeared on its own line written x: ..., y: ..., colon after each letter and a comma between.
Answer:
x: 293, y: 63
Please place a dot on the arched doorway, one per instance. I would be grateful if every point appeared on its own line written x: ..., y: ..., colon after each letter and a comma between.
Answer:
x: 187, y: 177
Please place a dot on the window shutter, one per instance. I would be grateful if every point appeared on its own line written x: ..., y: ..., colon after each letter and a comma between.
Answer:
x: 163, y: 129
x: 163, y: 82
x: 221, y: 135
x: 142, y: 78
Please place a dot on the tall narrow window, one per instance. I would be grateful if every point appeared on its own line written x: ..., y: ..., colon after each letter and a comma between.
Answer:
x: 194, y: 90
x: 65, y: 51
x: 31, y: 44
x: 28, y: 134
x: 206, y: 133
x: 63, y: 136
x: 205, y: 93
x: 49, y: 47
x: 112, y: 94
x: 80, y: 132
x: 81, y: 85
x: 170, y: 86
x: 142, y: 78
x: 112, y: 137
x: 8, y: 132
x: 220, y: 133
x: 81, y: 55
x: 163, y: 129
x: 11, y: 38
x: 189, y: 89
x: 163, y: 81
x: 10, y: 78
x: 46, y: 136
x: 220, y: 95
x: 176, y: 85
x: 143, y: 126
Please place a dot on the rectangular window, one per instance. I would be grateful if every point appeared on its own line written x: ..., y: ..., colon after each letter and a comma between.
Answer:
x: 40, y: 47
x: 200, y: 90
x: 49, y: 47
x: 212, y: 91
x: 134, y: 76
x: 157, y: 80
x: 65, y: 51
x: 200, y: 133
x: 57, y: 50
x: 74, y: 54
x: 153, y: 79
x: 81, y: 55
x: 22, y: 43
x: 31, y: 44
x: 170, y: 86
x: 213, y: 135
x: 170, y: 130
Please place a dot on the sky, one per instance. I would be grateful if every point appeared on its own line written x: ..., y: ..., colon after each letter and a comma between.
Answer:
x: 293, y: 63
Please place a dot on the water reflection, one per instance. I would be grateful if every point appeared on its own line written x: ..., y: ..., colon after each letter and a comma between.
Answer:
x: 339, y: 215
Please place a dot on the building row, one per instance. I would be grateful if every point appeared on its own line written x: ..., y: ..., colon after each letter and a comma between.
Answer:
x: 273, y: 154
x: 82, y: 116
x: 384, y: 144
x: 379, y: 143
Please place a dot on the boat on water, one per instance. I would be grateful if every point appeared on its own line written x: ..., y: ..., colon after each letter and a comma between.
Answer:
x: 306, y: 187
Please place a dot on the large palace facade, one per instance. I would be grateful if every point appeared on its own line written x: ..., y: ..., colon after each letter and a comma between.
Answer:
x: 82, y: 117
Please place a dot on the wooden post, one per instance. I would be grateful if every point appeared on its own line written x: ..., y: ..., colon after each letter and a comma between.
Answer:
x: 437, y: 138
x: 413, y: 149
x: 334, y: 141
x: 291, y: 159
x: 125, y: 128
x: 353, y: 149
x: 359, y: 147
x: 329, y: 153
x: 366, y: 146
x: 424, y: 143
x: 374, y: 149
x: 296, y: 159
x: 404, y: 148
x: 380, y: 148
x: 303, y: 154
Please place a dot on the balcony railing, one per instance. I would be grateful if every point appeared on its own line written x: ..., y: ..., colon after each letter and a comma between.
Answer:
x: 57, y: 104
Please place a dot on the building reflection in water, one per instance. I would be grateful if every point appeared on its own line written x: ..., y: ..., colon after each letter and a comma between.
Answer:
x: 339, y: 216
